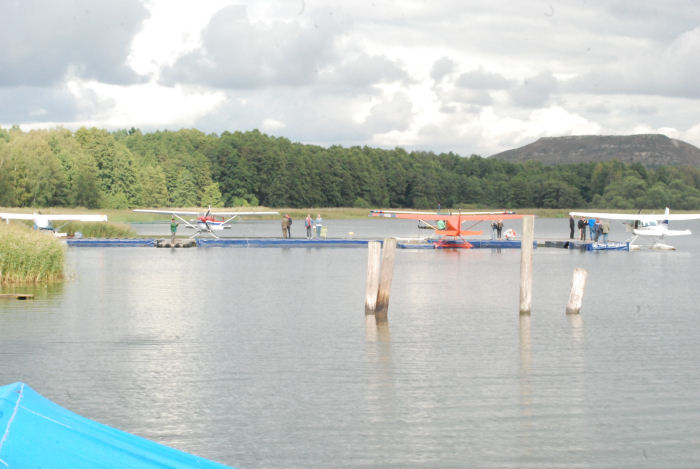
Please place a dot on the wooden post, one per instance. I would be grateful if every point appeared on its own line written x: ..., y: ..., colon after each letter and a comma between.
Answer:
x: 578, y: 284
x: 526, y: 264
x: 386, y: 273
x: 372, y: 284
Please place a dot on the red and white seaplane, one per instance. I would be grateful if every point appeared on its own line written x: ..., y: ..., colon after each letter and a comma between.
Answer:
x: 448, y: 225
x: 206, y: 222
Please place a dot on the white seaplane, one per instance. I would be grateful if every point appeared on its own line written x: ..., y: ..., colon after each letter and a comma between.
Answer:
x: 43, y: 221
x: 654, y: 226
x: 206, y: 222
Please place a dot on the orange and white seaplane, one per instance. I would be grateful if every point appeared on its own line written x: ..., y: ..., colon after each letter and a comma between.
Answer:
x: 206, y: 222
x: 448, y: 225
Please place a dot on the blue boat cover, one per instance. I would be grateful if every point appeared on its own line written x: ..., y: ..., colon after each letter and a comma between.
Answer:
x: 35, y: 432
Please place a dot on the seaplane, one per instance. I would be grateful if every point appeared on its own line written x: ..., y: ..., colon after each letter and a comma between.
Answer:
x: 448, y: 225
x: 206, y: 222
x: 649, y: 226
x: 43, y: 221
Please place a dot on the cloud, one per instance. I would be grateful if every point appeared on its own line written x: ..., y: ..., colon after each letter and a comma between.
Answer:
x: 43, y: 41
x: 24, y: 104
x: 442, y: 68
x: 482, y: 80
x: 237, y: 53
x: 535, y: 91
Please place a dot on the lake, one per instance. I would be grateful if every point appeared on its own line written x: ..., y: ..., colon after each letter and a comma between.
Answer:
x: 262, y: 358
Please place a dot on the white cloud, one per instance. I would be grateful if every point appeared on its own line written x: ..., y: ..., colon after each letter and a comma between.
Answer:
x: 476, y: 77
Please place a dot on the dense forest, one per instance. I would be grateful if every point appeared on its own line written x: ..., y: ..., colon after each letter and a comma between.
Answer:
x: 95, y: 168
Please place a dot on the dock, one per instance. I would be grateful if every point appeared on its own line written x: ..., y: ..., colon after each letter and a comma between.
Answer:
x: 402, y: 243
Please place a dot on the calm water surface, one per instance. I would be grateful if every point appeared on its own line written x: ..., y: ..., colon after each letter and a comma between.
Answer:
x: 262, y: 358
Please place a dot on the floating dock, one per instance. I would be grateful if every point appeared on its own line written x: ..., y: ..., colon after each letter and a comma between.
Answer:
x: 402, y: 243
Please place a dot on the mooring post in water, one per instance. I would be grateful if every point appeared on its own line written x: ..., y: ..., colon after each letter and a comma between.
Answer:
x: 373, y: 262
x: 526, y: 264
x: 578, y: 284
x: 386, y: 272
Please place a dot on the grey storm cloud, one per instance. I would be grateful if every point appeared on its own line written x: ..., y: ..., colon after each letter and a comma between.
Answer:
x: 236, y: 53
x: 44, y: 40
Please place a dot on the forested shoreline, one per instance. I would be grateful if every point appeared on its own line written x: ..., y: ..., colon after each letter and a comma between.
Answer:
x: 94, y: 168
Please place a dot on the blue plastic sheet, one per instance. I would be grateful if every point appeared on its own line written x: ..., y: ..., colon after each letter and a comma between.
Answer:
x: 37, y: 433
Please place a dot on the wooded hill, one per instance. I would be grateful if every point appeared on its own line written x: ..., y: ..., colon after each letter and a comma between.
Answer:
x: 651, y: 151
x: 94, y: 168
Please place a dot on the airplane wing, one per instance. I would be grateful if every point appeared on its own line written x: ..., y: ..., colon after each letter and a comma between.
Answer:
x: 464, y: 216
x: 217, y: 214
x: 167, y: 212
x: 230, y: 214
x: 637, y: 217
x: 52, y: 217
x: 17, y: 216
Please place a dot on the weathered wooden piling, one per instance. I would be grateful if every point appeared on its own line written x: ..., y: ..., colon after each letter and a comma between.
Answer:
x: 386, y: 273
x: 526, y: 264
x: 578, y: 284
x: 374, y: 260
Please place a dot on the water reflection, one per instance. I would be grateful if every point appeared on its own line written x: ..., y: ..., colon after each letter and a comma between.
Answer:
x: 576, y: 327
x: 380, y: 396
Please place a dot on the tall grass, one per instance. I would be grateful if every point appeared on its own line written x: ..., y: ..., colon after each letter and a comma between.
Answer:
x: 29, y: 256
x: 98, y: 230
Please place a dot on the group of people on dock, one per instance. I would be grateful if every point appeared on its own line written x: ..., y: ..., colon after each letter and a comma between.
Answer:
x: 309, y: 223
x: 598, y: 230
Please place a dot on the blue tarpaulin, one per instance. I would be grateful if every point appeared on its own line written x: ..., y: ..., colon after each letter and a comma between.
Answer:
x: 37, y: 433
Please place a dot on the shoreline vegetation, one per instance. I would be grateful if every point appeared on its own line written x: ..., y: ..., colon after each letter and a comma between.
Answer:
x: 29, y: 256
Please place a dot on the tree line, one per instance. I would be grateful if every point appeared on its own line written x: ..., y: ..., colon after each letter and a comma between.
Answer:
x: 95, y: 168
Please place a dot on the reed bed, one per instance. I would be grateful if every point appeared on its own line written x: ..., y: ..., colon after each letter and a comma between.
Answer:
x: 99, y: 230
x: 29, y: 256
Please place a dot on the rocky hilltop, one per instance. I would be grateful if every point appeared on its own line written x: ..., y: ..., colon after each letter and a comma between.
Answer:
x: 649, y: 150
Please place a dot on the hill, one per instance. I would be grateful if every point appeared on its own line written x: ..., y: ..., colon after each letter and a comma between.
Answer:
x: 651, y: 150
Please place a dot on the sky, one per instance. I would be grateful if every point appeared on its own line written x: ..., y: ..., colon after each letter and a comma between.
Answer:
x: 462, y: 76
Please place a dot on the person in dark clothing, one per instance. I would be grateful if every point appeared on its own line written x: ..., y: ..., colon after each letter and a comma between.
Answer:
x: 289, y: 226
x: 582, y: 225
x: 572, y: 225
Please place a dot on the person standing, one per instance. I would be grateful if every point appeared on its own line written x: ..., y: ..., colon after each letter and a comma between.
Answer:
x: 319, y: 224
x: 307, y: 224
x: 606, y: 230
x: 499, y: 228
x: 582, y: 228
x: 173, y: 230
x: 591, y: 227
x: 284, y: 226
x: 572, y: 225
x: 597, y: 229
x: 289, y: 226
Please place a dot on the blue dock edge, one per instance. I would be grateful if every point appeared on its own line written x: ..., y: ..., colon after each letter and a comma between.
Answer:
x: 110, y: 242
x: 279, y: 243
x: 283, y: 243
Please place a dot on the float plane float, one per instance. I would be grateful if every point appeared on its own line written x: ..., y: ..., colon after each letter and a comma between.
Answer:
x: 654, y: 226
x: 206, y: 222
x: 448, y: 225
x: 43, y: 221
